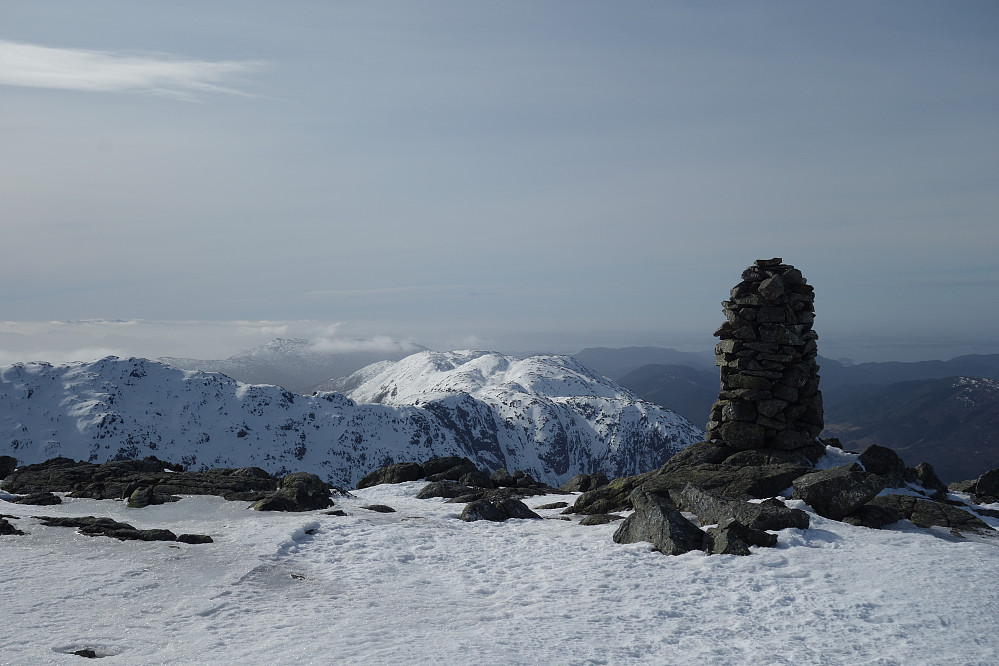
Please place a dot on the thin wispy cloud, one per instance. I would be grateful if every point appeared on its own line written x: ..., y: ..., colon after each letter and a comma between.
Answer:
x: 34, y: 66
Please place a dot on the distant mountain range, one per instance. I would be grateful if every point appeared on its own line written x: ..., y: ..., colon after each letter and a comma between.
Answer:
x: 298, y: 365
x: 548, y: 416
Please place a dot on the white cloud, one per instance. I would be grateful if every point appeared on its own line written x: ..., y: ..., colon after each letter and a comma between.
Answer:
x: 33, y: 66
x: 378, y: 343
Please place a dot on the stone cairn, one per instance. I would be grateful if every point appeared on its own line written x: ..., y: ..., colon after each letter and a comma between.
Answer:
x: 769, y: 395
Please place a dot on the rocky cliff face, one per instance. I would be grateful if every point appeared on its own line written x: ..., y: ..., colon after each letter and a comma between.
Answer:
x: 131, y: 408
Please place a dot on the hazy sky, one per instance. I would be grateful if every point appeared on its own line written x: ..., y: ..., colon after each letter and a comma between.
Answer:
x: 511, y: 174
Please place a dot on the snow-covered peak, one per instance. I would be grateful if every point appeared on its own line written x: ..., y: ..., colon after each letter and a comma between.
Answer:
x: 431, y: 373
x: 496, y: 410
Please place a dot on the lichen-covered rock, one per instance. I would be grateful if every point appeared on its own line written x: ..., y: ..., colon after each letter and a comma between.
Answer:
x: 885, y: 463
x: 838, y: 491
x: 987, y: 487
x: 928, y: 513
x: 476, y: 479
x: 752, y: 482
x: 600, y: 519
x: 581, y: 483
x: 395, y: 473
x: 927, y: 477
x: 615, y: 496
x: 502, y: 478
x: 497, y: 511
x: 449, y: 489
x: 447, y: 468
x: 656, y: 522
x: 731, y: 537
x: 771, y: 514
x: 148, y: 495
x: 300, y: 491
x: 38, y: 499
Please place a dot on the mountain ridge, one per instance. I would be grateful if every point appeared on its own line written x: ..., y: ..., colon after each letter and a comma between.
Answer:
x: 130, y: 408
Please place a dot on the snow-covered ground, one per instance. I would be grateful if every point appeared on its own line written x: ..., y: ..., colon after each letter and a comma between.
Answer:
x: 420, y: 586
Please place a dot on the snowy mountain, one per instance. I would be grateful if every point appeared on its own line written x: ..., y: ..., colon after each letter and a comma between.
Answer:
x: 573, y: 417
x: 549, y: 417
x: 298, y: 364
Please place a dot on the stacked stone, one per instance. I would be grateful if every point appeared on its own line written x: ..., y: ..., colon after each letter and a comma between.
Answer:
x: 769, y: 395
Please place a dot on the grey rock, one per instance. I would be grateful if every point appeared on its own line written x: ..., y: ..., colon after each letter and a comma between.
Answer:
x: 379, y: 508
x: 502, y: 478
x: 149, y: 495
x: 447, y: 489
x: 395, y: 473
x: 482, y: 510
x: 770, y: 514
x: 884, y: 462
x: 477, y: 479
x: 39, y: 499
x: 194, y: 538
x: 300, y: 491
x: 928, y: 513
x: 584, y: 482
x: 497, y: 510
x: 837, y: 492
x: 659, y: 524
x: 987, y: 487
x: 730, y: 537
x: 6, y: 529
x: 600, y: 519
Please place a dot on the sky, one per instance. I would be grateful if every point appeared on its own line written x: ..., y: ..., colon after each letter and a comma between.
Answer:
x: 195, y: 178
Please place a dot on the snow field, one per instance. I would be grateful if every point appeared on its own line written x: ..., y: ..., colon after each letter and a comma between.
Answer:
x: 421, y: 586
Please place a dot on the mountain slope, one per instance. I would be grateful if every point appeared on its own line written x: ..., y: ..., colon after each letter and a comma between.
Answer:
x: 298, y: 364
x: 951, y: 423
x: 552, y: 405
x: 130, y: 408
x: 687, y: 391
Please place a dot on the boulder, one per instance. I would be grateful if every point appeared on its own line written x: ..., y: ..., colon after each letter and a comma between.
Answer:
x: 730, y: 537
x: 39, y: 499
x: 752, y: 482
x: 397, y: 473
x: 838, y: 491
x: 928, y: 478
x: 496, y: 511
x: 147, y: 495
x: 770, y: 514
x: 874, y: 515
x: 928, y: 513
x: 502, y: 478
x: 300, y: 491
x: 379, y: 508
x: 194, y: 538
x: 963, y: 486
x: 884, y: 462
x: 482, y: 510
x: 600, y: 519
x: 6, y: 529
x: 476, y: 479
x: 93, y: 526
x: 658, y: 523
x: 449, y: 468
x: 448, y: 489
x: 584, y: 482
x: 7, y: 466
x: 615, y: 496
x: 987, y: 487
